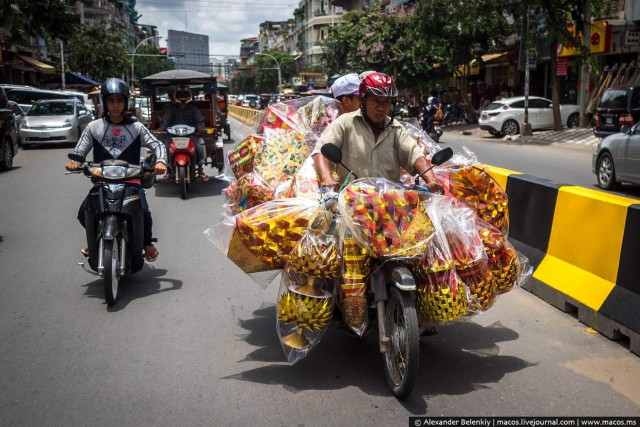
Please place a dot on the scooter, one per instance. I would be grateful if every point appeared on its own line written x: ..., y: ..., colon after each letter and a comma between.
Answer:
x: 114, y: 220
x: 434, y: 130
x: 182, y: 146
x: 392, y: 290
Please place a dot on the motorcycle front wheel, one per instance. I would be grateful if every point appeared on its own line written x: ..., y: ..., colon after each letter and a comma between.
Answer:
x: 182, y: 181
x: 403, y: 353
x: 111, y: 259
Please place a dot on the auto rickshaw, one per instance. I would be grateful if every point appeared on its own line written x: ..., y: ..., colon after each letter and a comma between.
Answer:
x: 158, y: 88
x: 224, y: 124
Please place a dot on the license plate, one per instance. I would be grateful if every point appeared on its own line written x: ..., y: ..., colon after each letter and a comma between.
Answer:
x: 45, y: 134
x: 608, y: 120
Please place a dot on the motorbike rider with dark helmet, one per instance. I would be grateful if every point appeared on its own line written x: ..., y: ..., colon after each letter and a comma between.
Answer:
x: 116, y: 136
x: 373, y: 144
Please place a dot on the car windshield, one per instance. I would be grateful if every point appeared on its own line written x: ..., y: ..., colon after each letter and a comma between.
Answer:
x: 494, y: 106
x: 144, y: 103
x: 51, y: 109
x: 614, y: 98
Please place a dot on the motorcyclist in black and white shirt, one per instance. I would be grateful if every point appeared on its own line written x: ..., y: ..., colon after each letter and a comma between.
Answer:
x: 116, y: 136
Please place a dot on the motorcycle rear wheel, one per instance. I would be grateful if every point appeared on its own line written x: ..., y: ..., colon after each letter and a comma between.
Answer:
x: 402, y: 358
x: 111, y: 259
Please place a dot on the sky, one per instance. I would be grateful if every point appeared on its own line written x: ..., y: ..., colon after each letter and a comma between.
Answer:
x: 225, y: 22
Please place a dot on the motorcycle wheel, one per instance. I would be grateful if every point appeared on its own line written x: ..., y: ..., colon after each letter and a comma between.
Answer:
x: 182, y: 181
x: 111, y: 259
x: 403, y: 354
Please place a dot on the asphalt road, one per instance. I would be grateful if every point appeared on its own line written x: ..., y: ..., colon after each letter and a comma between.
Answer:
x: 192, y: 340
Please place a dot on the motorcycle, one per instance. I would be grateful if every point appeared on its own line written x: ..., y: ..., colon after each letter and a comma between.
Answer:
x: 434, y: 130
x: 182, y: 146
x: 114, y: 220
x: 392, y: 291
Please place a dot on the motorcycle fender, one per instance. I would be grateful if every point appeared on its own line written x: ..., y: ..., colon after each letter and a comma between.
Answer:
x: 111, y: 227
x: 400, y: 275
x: 181, y: 159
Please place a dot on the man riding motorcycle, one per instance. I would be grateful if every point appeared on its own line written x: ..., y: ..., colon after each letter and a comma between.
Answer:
x: 116, y: 136
x: 184, y: 113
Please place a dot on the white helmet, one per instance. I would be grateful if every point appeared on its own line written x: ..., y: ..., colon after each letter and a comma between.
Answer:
x: 430, y: 100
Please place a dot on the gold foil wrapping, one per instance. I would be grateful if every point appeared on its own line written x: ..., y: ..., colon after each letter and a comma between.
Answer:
x: 356, y: 269
x: 316, y: 254
x: 441, y: 297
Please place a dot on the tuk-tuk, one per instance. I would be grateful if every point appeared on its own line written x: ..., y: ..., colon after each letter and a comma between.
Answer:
x: 159, y: 87
x: 224, y: 125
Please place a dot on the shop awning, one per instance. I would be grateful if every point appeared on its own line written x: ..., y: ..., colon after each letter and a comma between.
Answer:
x: 40, y: 66
x: 493, y: 56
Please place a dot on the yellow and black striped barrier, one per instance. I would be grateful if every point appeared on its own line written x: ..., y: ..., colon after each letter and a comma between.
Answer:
x: 584, y: 246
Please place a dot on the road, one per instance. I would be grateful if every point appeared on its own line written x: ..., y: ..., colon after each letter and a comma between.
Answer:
x: 192, y: 341
x: 567, y: 165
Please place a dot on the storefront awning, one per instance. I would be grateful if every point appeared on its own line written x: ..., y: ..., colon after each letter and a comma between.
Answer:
x: 40, y: 66
x: 493, y: 56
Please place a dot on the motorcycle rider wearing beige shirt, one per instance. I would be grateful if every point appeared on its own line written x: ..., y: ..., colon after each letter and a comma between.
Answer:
x: 372, y: 144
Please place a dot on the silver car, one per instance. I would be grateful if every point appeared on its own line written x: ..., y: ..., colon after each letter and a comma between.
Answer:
x: 54, y: 121
x: 617, y: 158
x: 506, y: 116
x: 143, y: 111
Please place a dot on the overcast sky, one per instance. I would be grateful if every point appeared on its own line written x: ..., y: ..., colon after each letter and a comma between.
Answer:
x: 225, y: 22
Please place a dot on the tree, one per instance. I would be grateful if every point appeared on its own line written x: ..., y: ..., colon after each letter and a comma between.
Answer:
x: 98, y: 51
x: 38, y: 18
x: 559, y: 15
x: 148, y: 65
x: 266, y: 79
x: 421, y: 46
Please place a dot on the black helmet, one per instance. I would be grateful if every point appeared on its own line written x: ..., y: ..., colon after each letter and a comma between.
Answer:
x: 114, y: 85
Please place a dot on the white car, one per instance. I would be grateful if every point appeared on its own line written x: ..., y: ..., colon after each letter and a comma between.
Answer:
x: 506, y: 116
x: 250, y: 101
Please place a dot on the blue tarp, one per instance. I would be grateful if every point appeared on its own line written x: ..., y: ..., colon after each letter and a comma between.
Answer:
x: 71, y: 79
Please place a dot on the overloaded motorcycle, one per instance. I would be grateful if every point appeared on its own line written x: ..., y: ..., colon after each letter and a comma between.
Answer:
x: 114, y: 220
x: 391, y: 290
x: 182, y: 147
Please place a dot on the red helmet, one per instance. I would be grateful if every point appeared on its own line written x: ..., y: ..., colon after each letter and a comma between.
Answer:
x: 183, y: 94
x: 378, y: 84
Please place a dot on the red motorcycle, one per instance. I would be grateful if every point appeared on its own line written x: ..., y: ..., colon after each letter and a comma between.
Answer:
x: 182, y: 147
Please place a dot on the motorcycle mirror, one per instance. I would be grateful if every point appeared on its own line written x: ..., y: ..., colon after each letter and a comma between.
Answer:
x: 332, y: 153
x: 442, y: 156
x: 76, y: 157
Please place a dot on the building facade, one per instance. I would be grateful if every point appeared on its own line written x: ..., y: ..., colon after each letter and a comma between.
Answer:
x: 189, y: 50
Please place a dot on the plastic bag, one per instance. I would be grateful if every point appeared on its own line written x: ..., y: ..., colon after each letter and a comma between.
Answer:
x: 304, y: 308
x: 385, y: 218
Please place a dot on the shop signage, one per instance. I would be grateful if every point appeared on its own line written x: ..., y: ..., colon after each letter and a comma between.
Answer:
x: 600, y: 40
x: 561, y: 66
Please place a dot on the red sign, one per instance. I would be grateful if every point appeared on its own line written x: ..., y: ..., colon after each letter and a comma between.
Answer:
x: 561, y: 66
x: 163, y: 51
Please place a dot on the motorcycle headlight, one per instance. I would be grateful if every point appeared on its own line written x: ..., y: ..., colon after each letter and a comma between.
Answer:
x: 114, y: 172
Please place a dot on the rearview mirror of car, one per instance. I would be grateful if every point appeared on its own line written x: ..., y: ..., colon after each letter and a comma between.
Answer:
x: 625, y: 129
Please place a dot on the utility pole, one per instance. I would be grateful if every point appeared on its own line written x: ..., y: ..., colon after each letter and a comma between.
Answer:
x: 526, y: 127
x: 586, y: 67
x: 62, y: 76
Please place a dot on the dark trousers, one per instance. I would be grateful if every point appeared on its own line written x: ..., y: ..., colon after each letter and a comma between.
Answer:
x: 146, y: 213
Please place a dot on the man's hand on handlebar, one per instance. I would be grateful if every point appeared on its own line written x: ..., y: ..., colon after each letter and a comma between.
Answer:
x: 160, y: 168
x: 72, y: 166
x: 435, y: 187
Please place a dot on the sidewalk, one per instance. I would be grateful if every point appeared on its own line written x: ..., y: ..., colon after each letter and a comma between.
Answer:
x: 578, y: 138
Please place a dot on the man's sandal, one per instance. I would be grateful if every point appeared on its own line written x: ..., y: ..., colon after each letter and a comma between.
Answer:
x: 150, y: 253
x: 203, y: 176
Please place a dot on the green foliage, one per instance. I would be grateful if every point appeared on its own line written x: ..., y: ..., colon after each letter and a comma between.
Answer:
x: 48, y: 19
x: 420, y: 46
x: 266, y: 79
x: 98, y: 52
x: 148, y: 65
x: 243, y: 82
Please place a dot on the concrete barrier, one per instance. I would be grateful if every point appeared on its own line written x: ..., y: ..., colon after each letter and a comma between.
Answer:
x: 584, y: 246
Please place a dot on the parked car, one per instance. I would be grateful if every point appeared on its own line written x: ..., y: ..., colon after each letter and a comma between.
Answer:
x: 8, y: 136
x: 25, y: 97
x: 84, y: 98
x: 619, y: 106
x: 54, y: 121
x: 265, y: 100
x: 250, y: 101
x: 232, y: 99
x: 506, y: 116
x: 617, y: 158
x: 143, y: 111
